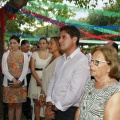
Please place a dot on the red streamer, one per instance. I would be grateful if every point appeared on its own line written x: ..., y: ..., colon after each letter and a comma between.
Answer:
x: 3, y: 11
x: 94, y: 36
x: 43, y: 17
x: 62, y: 24
x: 2, y: 21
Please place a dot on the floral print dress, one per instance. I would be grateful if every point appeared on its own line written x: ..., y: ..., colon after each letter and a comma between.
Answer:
x: 18, y: 94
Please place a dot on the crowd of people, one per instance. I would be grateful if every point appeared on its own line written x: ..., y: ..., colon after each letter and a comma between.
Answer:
x: 63, y: 82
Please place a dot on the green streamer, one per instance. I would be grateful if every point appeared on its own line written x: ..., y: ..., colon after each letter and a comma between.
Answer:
x: 65, y: 20
x: 77, y: 9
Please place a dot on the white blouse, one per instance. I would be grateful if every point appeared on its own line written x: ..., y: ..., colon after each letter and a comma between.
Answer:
x: 6, y: 73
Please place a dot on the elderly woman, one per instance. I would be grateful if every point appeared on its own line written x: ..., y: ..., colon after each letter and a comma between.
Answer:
x: 101, y: 99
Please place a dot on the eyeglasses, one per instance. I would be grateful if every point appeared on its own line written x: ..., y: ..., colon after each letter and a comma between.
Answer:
x: 96, y: 62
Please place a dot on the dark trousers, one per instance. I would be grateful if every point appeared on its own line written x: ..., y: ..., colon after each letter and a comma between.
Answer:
x: 28, y: 80
x: 26, y: 106
x: 69, y: 114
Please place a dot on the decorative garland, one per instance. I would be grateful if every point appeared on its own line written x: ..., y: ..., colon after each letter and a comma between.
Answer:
x: 11, y: 9
x: 6, y: 10
x: 94, y: 36
x: 23, y: 35
x: 44, y: 18
x: 53, y: 5
x: 69, y: 21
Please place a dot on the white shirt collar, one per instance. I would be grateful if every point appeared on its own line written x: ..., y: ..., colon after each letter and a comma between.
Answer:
x: 71, y: 55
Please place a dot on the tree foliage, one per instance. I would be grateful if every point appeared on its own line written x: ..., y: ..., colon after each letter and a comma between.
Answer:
x: 85, y: 3
x: 100, y: 20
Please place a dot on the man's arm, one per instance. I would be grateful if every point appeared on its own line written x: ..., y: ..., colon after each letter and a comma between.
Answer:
x: 50, y: 88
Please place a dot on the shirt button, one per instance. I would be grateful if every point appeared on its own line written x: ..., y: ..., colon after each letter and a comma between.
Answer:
x: 89, y: 93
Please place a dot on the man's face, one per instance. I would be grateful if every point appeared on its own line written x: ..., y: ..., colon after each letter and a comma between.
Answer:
x: 25, y: 48
x: 65, y: 41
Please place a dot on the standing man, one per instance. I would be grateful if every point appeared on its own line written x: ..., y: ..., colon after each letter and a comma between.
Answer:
x: 27, y: 110
x: 69, y: 78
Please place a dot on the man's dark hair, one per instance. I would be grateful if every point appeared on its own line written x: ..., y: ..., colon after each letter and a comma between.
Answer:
x: 72, y: 31
x: 36, y: 45
x: 15, y: 37
x: 25, y: 42
x: 115, y: 45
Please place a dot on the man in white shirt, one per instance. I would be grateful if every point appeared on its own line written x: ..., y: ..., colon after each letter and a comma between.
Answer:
x: 25, y: 47
x: 71, y: 74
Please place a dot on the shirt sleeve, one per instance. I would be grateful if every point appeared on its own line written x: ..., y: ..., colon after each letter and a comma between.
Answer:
x: 5, y: 67
x: 74, y: 92
x: 50, y: 87
x: 25, y: 67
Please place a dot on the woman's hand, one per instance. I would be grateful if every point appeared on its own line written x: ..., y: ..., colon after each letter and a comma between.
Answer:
x: 42, y: 100
x: 39, y: 83
x: 16, y: 83
x: 49, y: 113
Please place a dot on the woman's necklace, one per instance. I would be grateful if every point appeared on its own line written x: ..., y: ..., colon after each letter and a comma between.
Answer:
x: 101, y: 85
x: 107, y: 83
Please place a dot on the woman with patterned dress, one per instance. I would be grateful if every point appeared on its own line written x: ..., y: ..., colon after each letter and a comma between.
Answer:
x: 38, y: 62
x: 14, y: 68
x: 101, y: 99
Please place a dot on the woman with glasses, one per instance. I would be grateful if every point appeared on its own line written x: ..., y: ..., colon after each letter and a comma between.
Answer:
x: 101, y: 99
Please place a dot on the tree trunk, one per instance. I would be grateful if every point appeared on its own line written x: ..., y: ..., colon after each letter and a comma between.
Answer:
x: 1, y: 53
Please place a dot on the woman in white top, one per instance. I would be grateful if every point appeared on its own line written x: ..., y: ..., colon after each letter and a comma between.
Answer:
x: 49, y: 69
x: 38, y: 62
x: 14, y: 68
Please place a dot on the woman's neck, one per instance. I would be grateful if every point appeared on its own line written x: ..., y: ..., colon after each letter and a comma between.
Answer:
x: 56, y: 54
x: 43, y: 51
x: 14, y: 51
x: 103, y: 82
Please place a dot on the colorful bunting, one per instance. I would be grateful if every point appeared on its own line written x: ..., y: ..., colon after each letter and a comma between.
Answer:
x: 53, y: 5
x: 66, y: 21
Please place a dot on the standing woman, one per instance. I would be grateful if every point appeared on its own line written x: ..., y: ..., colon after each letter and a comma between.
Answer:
x: 38, y: 62
x: 49, y: 69
x: 14, y: 68
x: 101, y: 99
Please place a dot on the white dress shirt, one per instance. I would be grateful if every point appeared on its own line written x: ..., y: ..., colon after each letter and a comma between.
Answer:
x: 6, y: 73
x: 29, y: 57
x: 67, y: 84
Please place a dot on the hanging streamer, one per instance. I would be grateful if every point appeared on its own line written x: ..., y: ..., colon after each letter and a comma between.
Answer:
x: 60, y: 24
x: 73, y: 22
x: 61, y: 18
x: 73, y: 8
x: 6, y: 10
x: 23, y: 35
